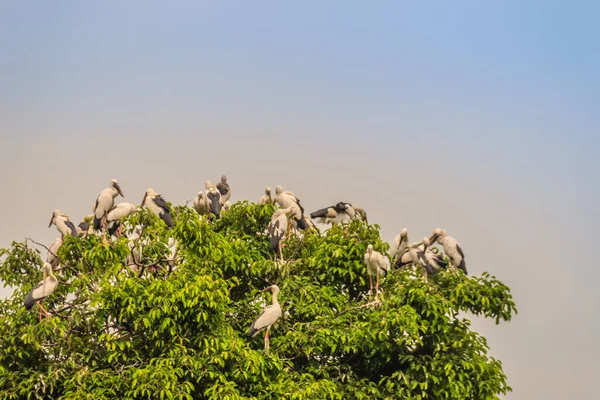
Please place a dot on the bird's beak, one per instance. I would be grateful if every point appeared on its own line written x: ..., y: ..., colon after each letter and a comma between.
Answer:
x: 144, y: 199
x: 266, y: 289
x: 51, y: 220
x: 119, y: 190
x: 432, y: 238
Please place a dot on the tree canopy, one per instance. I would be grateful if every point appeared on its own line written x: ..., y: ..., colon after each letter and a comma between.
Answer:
x: 174, y: 325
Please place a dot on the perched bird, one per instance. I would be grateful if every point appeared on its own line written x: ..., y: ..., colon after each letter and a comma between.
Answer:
x: 155, y: 203
x: 202, y: 204
x: 416, y: 251
x: 224, y: 190
x: 85, y: 227
x: 52, y: 257
x: 377, y: 265
x: 400, y: 245
x: 451, y: 248
x: 278, y: 228
x: 63, y: 224
x: 362, y: 214
x: 214, y: 198
x: 116, y: 214
x: 338, y: 214
x: 226, y: 206
x: 269, y: 315
x: 105, y: 202
x: 266, y: 198
x: 42, y: 290
x: 419, y: 254
x: 288, y: 199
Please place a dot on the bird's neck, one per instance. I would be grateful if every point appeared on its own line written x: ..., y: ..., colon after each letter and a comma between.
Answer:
x: 275, y: 299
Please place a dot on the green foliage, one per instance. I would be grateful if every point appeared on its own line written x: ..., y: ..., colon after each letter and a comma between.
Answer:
x: 173, y: 327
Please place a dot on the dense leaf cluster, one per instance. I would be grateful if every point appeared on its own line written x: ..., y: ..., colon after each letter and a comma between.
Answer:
x: 174, y: 326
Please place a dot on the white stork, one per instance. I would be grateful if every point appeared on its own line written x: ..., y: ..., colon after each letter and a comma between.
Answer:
x: 154, y: 202
x: 63, y: 224
x: 451, y: 248
x: 52, y: 257
x: 340, y: 213
x: 42, y: 290
x: 266, y: 198
x: 224, y: 190
x: 104, y: 203
x: 269, y: 315
x: 278, y: 228
x: 115, y: 217
x: 377, y: 265
x: 288, y: 199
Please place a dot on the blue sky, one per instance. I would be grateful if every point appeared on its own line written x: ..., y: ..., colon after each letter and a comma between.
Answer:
x: 479, y: 117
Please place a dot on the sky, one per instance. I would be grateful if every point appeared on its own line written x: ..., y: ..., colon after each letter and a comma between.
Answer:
x: 478, y: 117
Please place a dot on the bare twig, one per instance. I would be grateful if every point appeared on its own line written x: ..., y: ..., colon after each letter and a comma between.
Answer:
x: 39, y: 244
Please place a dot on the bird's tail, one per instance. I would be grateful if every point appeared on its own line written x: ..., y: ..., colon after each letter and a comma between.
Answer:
x: 112, y: 227
x: 251, y: 332
x: 29, y: 301
x: 302, y: 223
x: 319, y: 213
x: 274, y: 243
x: 97, y: 223
x: 463, y: 266
x: 167, y: 218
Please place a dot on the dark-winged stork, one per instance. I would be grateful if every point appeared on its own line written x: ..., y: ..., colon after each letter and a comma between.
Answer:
x: 202, y: 204
x: 52, y: 257
x: 400, y: 245
x: 42, y: 290
x: 287, y: 199
x: 451, y: 248
x: 419, y: 255
x: 269, y: 315
x: 115, y: 217
x: 278, y: 228
x: 104, y: 203
x: 63, y: 224
x: 362, y: 214
x: 224, y: 190
x: 85, y: 226
x: 266, y: 198
x: 377, y: 265
x: 340, y: 213
x: 154, y: 202
x: 214, y: 198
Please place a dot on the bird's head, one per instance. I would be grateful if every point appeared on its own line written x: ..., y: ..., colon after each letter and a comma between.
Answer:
x: 55, y: 214
x: 278, y: 189
x: 224, y: 178
x: 149, y: 192
x: 115, y: 185
x: 200, y: 195
x: 268, y: 190
x: 404, y: 233
x: 273, y: 288
x: 207, y: 185
x: 370, y: 249
x: 437, y: 234
x: 426, y: 243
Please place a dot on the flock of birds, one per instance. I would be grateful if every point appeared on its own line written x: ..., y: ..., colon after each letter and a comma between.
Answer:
x: 108, y: 217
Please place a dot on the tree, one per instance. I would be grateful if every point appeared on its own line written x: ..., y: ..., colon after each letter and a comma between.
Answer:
x: 174, y: 326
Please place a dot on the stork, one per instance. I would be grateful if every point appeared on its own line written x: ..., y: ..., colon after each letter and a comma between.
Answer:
x: 85, y: 226
x: 451, y: 248
x: 288, y: 199
x: 360, y: 212
x: 155, y: 203
x: 338, y: 214
x: 52, y: 257
x: 266, y: 198
x: 115, y: 217
x: 63, y: 224
x: 278, y: 227
x: 400, y: 245
x: 416, y: 251
x: 214, y: 198
x: 42, y: 290
x: 377, y: 265
x: 202, y: 204
x: 224, y: 190
x: 104, y: 203
x: 269, y: 315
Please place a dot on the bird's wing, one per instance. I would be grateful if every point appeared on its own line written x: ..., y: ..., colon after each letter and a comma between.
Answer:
x: 71, y: 226
x: 324, y: 212
x: 160, y: 202
x: 223, y: 188
x: 460, y: 251
x: 267, y: 317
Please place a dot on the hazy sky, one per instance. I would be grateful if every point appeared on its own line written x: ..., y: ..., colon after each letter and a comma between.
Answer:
x: 479, y: 117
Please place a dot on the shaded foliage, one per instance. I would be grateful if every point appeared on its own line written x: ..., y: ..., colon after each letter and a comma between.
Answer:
x: 173, y: 326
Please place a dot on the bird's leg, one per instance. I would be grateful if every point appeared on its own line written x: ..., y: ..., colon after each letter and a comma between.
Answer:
x: 424, y: 272
x: 267, y: 340
x: 120, y: 230
x: 39, y: 310
x: 280, y: 251
x: 42, y: 309
x: 370, y: 285
x: 377, y: 287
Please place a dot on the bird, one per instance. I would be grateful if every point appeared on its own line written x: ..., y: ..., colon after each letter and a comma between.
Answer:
x: 214, y: 198
x: 85, y: 226
x: 202, y: 204
x: 63, y: 224
x: 226, y: 206
x: 451, y: 248
x: 278, y: 228
x: 155, y: 203
x: 266, y: 198
x: 338, y: 214
x: 269, y: 315
x: 400, y: 245
x: 288, y: 199
x: 362, y: 214
x: 104, y: 203
x: 115, y: 217
x: 224, y: 190
x: 52, y: 257
x: 42, y: 290
x: 419, y: 254
x: 416, y: 251
x: 377, y: 265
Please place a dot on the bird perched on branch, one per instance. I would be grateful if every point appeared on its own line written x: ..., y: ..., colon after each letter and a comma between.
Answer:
x: 43, y: 289
x: 278, y: 228
x: 266, y: 198
x: 377, y: 265
x: 269, y: 315
x: 224, y: 190
x: 63, y: 224
x: 116, y: 215
x: 287, y: 199
x: 451, y: 248
x: 338, y: 214
x: 104, y: 203
x: 154, y: 202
